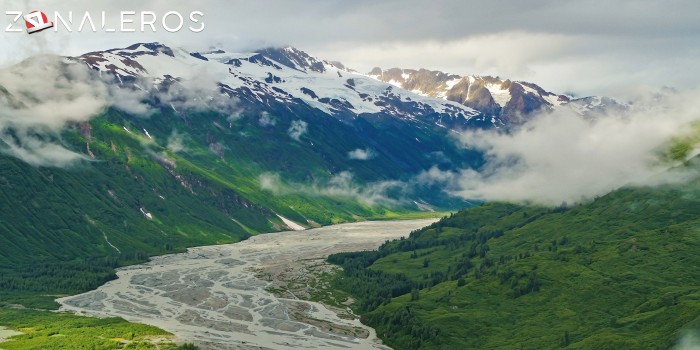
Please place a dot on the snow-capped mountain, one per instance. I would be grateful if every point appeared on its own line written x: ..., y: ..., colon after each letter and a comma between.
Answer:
x: 151, y: 149
x: 511, y: 101
x: 288, y: 76
x: 327, y: 129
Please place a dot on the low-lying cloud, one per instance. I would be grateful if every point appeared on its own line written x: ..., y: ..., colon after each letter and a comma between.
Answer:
x: 361, y: 154
x: 556, y: 157
x: 341, y: 185
x: 297, y: 129
x: 266, y: 120
x: 198, y: 91
x: 38, y: 98
x: 690, y: 340
x: 176, y: 142
x: 561, y: 157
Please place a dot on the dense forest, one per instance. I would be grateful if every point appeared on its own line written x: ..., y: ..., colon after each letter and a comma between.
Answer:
x: 620, y: 272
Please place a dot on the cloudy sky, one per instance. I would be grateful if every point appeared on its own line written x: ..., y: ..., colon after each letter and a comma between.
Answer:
x: 583, y: 47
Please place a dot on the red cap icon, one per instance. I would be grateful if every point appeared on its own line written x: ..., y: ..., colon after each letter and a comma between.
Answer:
x: 37, y: 21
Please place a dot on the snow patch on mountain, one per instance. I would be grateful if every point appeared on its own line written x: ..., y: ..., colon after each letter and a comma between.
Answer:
x: 291, y: 224
x: 286, y: 75
x: 500, y: 95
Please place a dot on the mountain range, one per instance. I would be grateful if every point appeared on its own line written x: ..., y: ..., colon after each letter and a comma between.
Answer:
x: 290, y: 75
x: 196, y: 148
x: 512, y: 102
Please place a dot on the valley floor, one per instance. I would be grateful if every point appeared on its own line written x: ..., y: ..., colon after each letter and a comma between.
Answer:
x: 246, y: 295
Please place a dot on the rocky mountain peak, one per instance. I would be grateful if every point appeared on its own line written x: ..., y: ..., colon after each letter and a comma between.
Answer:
x: 294, y: 58
x: 514, y: 102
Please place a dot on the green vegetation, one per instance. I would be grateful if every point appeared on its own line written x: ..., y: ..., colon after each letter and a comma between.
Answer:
x: 621, y: 272
x: 47, y: 330
x: 63, y: 231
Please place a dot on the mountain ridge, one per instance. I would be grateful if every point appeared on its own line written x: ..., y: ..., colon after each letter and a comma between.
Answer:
x: 289, y: 74
x: 259, y: 76
x: 513, y: 101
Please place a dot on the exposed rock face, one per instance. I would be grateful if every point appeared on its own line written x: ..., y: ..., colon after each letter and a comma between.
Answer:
x: 482, y: 100
x: 295, y: 59
x: 522, y: 104
x: 474, y: 94
x: 513, y: 102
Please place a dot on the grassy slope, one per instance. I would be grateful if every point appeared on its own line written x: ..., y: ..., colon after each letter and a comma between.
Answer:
x: 46, y: 330
x: 619, y: 273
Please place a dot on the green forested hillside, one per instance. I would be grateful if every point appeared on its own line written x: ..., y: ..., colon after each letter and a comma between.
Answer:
x: 64, y: 230
x: 622, y: 272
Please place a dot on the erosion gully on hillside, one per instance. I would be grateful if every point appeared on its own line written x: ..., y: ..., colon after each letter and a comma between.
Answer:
x: 246, y: 295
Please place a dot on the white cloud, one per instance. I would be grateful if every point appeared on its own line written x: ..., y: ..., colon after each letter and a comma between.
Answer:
x: 561, y: 157
x: 272, y: 182
x: 198, y: 91
x: 297, y: 129
x: 40, y: 153
x: 341, y: 185
x: 690, y: 340
x: 361, y: 154
x: 235, y: 114
x: 43, y: 95
x: 176, y: 142
x: 266, y: 120
x: 557, y: 157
